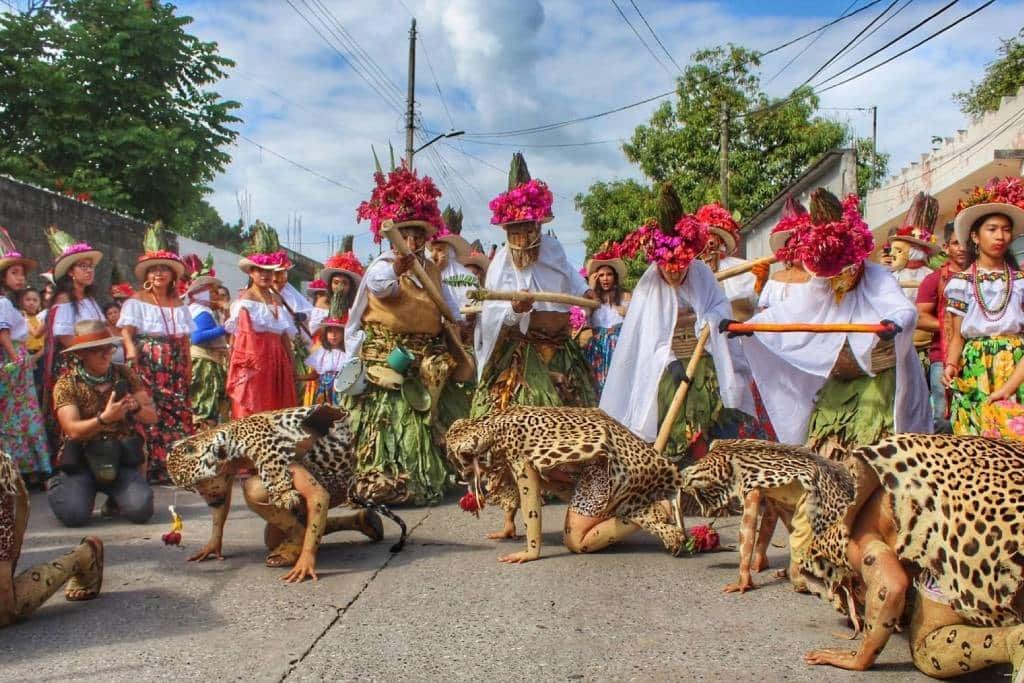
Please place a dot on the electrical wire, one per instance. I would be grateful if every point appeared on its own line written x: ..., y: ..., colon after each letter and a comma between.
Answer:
x: 641, y: 39
x: 839, y: 53
x: 296, y: 164
x: 808, y: 46
x: 656, y: 38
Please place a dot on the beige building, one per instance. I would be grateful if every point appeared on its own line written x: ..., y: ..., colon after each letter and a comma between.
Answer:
x: 990, y: 146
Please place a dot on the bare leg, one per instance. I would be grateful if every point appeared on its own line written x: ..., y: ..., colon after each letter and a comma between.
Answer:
x: 365, y: 522
x: 769, y: 517
x: 945, y: 650
x: 748, y: 534
x: 528, y: 483
x: 589, y: 534
x: 284, y: 531
x: 656, y: 519
x: 508, y: 529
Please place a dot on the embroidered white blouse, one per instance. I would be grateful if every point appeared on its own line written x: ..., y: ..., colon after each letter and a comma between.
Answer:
x: 65, y: 316
x: 961, y: 301
x: 324, y: 360
x: 261, y: 316
x: 156, y: 321
x: 12, y: 319
x: 606, y: 316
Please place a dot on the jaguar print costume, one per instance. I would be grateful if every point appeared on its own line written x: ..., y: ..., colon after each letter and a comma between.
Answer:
x: 808, y: 492
x: 317, y: 438
x: 946, y: 508
x: 609, y: 472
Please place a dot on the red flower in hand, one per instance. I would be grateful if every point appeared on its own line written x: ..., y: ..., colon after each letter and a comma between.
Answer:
x: 471, y: 502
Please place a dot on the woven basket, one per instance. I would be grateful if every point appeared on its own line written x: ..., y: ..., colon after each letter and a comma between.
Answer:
x: 883, y: 357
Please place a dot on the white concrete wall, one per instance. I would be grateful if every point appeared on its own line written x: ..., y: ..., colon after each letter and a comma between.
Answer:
x: 961, y: 162
x: 224, y: 262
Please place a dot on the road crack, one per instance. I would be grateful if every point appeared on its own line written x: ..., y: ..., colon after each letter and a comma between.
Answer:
x: 294, y: 664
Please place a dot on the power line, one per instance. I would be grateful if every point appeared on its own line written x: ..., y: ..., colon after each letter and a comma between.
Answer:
x: 437, y: 85
x: 850, y: 42
x: 819, y: 29
x: 641, y: 39
x: 297, y: 164
x: 905, y: 34
x: 527, y: 145
x: 655, y: 36
x: 875, y: 29
x: 808, y: 46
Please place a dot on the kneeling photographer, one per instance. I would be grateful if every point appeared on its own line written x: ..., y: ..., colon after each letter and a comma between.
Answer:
x: 98, y: 405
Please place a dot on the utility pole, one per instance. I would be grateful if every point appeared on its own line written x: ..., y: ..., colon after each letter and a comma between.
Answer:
x: 874, y: 141
x: 723, y: 155
x: 410, y: 123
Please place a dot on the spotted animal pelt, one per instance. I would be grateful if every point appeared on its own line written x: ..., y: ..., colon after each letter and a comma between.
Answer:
x: 553, y: 438
x: 735, y: 467
x: 9, y: 477
x: 958, y: 502
x: 317, y: 437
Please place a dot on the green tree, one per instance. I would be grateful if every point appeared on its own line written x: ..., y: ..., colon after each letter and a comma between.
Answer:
x: 202, y: 222
x: 1003, y: 77
x: 111, y: 98
x: 870, y: 172
x: 771, y: 143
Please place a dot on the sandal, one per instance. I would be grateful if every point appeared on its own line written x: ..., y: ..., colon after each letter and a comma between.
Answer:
x: 370, y: 525
x: 87, y: 585
x: 284, y: 555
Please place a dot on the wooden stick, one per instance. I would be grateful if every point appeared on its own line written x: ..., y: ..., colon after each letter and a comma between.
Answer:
x: 819, y: 328
x: 677, y: 401
x: 463, y: 359
x: 744, y: 267
x: 547, y: 297
x: 910, y: 284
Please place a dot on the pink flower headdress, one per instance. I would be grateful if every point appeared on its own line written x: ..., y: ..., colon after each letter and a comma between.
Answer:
x: 673, y: 251
x: 402, y: 197
x: 720, y: 222
x: 828, y: 248
x: 530, y: 202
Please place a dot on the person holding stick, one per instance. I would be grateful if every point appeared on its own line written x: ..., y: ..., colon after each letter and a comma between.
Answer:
x: 723, y: 240
x: 834, y: 390
x: 675, y: 301
x: 783, y: 243
x: 525, y: 354
x: 396, y: 327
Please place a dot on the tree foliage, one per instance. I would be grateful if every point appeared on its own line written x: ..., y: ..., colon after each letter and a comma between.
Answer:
x: 202, y: 222
x: 771, y: 143
x: 111, y: 98
x: 1003, y: 77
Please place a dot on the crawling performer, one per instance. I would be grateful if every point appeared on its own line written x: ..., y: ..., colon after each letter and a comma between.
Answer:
x: 304, y: 462
x: 939, y: 513
x: 21, y: 595
x: 614, y: 482
x: 774, y: 481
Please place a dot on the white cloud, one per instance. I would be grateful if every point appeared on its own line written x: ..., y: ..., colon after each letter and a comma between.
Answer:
x: 509, y: 64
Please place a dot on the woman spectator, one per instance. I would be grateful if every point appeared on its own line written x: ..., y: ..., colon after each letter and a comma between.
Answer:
x: 156, y: 327
x: 986, y: 303
x: 260, y: 372
x: 605, y: 273
x: 98, y: 406
x: 24, y: 593
x: 30, y: 304
x: 209, y: 344
x: 22, y: 431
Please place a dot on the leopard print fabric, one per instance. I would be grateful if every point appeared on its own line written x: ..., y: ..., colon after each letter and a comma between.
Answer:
x: 553, y: 438
x: 958, y: 502
x: 10, y: 487
x: 271, y: 441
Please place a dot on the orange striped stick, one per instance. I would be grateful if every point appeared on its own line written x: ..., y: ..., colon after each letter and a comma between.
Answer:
x: 872, y: 328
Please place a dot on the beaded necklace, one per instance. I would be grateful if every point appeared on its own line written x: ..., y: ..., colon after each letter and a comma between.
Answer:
x: 993, y: 314
x: 172, y: 329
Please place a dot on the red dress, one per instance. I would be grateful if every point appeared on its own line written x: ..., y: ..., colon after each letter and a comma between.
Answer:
x: 260, y: 371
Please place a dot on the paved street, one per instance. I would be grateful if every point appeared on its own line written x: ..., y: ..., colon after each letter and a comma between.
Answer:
x: 442, y: 609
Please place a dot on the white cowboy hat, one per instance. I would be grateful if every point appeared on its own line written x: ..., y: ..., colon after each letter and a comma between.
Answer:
x: 479, y: 260
x: 458, y: 243
x: 202, y: 281
x: 966, y: 218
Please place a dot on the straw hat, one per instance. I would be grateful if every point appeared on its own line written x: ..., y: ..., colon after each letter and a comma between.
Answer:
x: 616, y: 264
x: 154, y: 242
x: 456, y: 242
x: 67, y: 252
x: 385, y: 377
x: 89, y: 334
x: 317, y: 285
x: 720, y: 222
x: 966, y: 218
x: 10, y: 256
x: 477, y: 259
x: 344, y: 263
x: 919, y: 237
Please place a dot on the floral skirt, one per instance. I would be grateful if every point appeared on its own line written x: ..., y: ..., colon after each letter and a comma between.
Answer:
x: 598, y: 352
x: 530, y: 371
x: 164, y: 367
x: 323, y: 391
x: 206, y: 392
x: 22, y: 431
x: 987, y: 363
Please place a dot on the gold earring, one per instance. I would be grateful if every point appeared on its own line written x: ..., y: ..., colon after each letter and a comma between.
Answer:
x: 148, y: 285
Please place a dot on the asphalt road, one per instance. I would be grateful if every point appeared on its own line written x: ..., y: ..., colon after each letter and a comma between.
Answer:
x: 442, y: 609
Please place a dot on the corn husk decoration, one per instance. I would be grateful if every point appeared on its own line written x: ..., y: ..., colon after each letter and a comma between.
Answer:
x: 155, y: 252
x: 453, y: 219
x: 668, y: 209
x: 67, y: 252
x: 518, y: 173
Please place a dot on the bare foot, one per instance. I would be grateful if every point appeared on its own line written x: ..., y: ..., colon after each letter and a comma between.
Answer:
x: 518, y: 558
x: 506, y: 532
x: 759, y: 564
x: 744, y: 585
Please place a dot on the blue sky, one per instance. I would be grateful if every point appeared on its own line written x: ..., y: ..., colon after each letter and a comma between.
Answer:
x: 508, y: 64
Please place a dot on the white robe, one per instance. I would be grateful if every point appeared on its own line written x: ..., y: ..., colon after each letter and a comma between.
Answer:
x: 550, y: 273
x: 644, y: 348
x: 738, y: 286
x: 456, y: 269
x: 791, y: 368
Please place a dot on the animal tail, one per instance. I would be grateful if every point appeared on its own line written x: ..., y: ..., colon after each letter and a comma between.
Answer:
x: 677, y: 507
x: 386, y: 511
